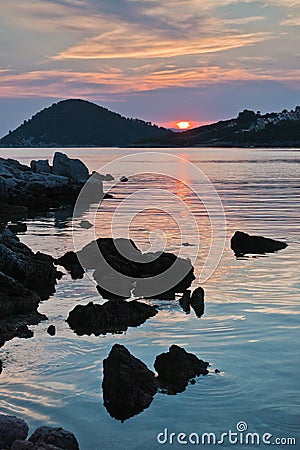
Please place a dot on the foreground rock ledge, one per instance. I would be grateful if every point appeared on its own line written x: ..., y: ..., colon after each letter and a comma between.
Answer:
x: 243, y: 243
x: 25, y: 279
x: 111, y: 317
x: 14, y: 431
x: 11, y: 429
x: 128, y: 385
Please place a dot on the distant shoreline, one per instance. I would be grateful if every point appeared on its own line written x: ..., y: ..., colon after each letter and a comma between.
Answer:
x: 277, y: 146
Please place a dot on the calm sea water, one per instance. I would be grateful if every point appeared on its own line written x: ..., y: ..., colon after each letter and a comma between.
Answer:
x: 250, y: 329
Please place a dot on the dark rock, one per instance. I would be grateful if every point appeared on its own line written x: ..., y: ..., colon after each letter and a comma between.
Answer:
x: 176, y: 367
x: 124, y: 179
x: 185, y: 301
x: 23, y: 331
x: 74, y: 169
x: 194, y: 300
x: 242, y: 243
x: 124, y: 285
x: 1, y: 366
x: 113, y: 316
x: 34, y: 271
x: 107, y: 195
x: 15, y: 299
x: 217, y: 371
x: 51, y: 330
x: 16, y: 211
x: 25, y: 278
x: 40, y: 166
x: 125, y: 258
x: 37, y: 190
x: 101, y: 177
x: 12, y: 327
x: 11, y: 429
x: 197, y: 295
x: 86, y: 224
x: 26, y: 445
x: 71, y: 263
x: 128, y: 385
x: 17, y: 227
x: 56, y: 437
x: 197, y: 301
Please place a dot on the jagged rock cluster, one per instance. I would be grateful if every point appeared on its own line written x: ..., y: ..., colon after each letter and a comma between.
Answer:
x: 129, y: 386
x: 139, y: 268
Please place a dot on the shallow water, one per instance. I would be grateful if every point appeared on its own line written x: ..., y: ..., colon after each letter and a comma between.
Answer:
x: 250, y: 329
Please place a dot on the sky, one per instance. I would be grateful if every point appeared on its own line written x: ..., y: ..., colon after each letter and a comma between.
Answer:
x: 160, y: 61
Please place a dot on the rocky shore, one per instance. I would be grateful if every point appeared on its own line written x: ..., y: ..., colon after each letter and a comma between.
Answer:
x: 40, y: 187
x: 26, y: 278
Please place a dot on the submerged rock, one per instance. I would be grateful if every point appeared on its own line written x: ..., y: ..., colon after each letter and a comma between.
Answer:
x: 177, y: 367
x: 11, y: 429
x: 242, y: 243
x: 57, y: 437
x: 86, y: 224
x: 113, y: 316
x: 128, y: 385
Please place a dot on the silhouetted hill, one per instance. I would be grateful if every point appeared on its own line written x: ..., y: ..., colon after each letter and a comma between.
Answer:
x: 72, y: 123
x: 249, y: 129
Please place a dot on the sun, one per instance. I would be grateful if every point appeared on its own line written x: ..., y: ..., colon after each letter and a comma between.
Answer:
x: 183, y: 125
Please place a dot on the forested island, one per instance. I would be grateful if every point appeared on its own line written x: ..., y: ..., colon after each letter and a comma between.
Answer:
x: 79, y: 123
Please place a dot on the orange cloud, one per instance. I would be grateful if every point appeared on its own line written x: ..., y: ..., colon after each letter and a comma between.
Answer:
x: 125, y: 43
x: 53, y: 83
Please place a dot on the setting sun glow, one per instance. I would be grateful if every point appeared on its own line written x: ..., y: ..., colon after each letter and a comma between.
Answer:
x: 183, y: 125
